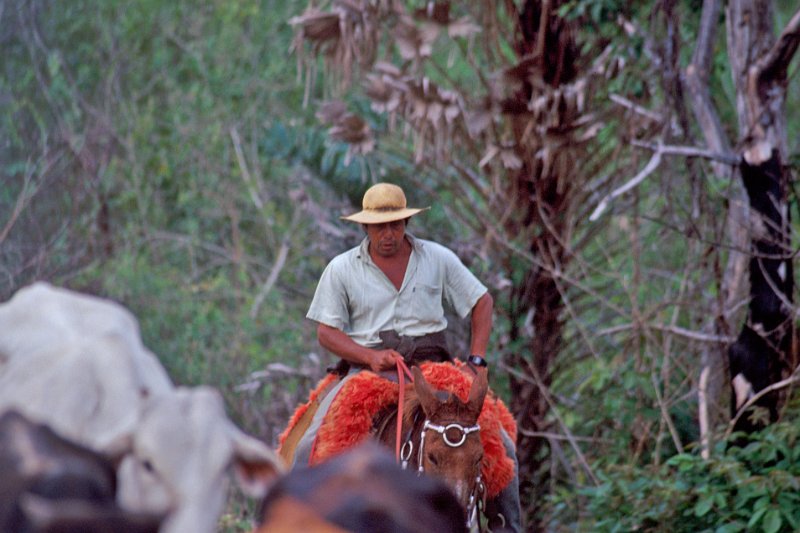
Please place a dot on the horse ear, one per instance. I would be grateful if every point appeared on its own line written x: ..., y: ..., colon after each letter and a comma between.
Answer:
x: 426, y: 395
x: 478, y: 391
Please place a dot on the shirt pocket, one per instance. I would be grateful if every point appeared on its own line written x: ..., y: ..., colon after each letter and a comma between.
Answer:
x: 427, y: 304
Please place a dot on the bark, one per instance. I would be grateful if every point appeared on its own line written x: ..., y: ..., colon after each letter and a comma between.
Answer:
x: 714, y: 364
x: 762, y: 350
x: 763, y: 345
x: 543, y: 193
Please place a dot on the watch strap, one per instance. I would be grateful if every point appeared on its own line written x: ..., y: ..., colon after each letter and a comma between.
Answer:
x: 477, y: 360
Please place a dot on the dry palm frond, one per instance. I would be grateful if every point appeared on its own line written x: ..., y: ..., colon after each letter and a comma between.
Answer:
x: 507, y: 153
x: 347, y: 127
x: 346, y: 36
x: 438, y: 13
x: 385, y: 92
x: 414, y: 41
x: 463, y: 27
x: 353, y: 130
x: 320, y: 29
x: 331, y: 112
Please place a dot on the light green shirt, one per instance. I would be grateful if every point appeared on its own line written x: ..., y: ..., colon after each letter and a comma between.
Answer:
x: 355, y: 296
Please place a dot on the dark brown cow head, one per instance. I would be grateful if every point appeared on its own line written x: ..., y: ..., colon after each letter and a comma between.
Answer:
x: 363, y: 489
x: 52, y: 485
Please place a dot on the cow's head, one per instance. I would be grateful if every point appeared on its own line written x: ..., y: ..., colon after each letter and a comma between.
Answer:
x: 178, y: 458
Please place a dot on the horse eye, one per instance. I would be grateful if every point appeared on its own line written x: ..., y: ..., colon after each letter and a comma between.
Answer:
x: 147, y: 465
x: 432, y: 459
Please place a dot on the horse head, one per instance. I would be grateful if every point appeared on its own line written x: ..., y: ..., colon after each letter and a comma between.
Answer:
x: 450, y: 446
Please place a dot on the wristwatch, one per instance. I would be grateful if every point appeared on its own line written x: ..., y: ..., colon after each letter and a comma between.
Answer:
x: 477, y: 360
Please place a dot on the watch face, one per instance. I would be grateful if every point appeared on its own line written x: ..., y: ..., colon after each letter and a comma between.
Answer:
x: 477, y: 360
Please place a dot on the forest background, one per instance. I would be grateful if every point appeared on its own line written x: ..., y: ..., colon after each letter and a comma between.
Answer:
x: 587, y: 159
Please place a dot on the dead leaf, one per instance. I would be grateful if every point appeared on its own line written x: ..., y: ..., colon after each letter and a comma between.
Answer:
x: 463, y: 27
x: 489, y: 155
x: 331, y: 111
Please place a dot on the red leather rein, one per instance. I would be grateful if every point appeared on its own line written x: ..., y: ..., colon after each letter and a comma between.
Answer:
x: 402, y: 372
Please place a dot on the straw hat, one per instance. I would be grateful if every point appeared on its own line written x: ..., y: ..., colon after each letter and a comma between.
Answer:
x: 383, y: 202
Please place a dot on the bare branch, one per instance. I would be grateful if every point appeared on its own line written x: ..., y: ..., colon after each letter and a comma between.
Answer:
x: 624, y: 102
x: 677, y: 330
x: 29, y: 190
x: 556, y: 436
x: 251, y: 188
x: 640, y: 177
x: 190, y: 241
x: 665, y: 416
x: 696, y: 77
x: 23, y: 199
x: 706, y: 34
x: 729, y: 158
x: 776, y: 62
x: 568, y: 434
x: 794, y: 378
x: 280, y: 261
x: 702, y: 401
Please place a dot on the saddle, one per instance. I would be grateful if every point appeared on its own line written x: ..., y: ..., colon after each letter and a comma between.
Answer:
x: 350, y: 418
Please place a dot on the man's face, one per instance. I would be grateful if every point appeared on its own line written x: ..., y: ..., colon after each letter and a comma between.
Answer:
x: 386, y: 239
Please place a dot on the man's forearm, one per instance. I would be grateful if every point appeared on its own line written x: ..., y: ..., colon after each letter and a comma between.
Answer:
x: 340, y: 344
x: 481, y: 323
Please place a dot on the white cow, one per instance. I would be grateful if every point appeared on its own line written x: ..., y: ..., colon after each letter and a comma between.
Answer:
x: 77, y: 363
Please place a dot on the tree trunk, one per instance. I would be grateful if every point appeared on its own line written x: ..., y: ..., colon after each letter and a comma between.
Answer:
x: 714, y: 363
x: 762, y: 350
x: 543, y: 192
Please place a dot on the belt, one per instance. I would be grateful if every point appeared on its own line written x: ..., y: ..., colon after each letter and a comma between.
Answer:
x: 415, y: 350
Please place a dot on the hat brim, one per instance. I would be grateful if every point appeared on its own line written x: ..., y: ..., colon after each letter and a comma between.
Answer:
x: 372, y: 216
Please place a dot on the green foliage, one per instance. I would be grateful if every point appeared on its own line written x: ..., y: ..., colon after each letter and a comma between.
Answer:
x: 130, y: 108
x: 754, y: 485
x: 598, y: 11
x: 195, y: 331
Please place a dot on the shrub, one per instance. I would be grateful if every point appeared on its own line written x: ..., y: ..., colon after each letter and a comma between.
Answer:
x: 752, y: 483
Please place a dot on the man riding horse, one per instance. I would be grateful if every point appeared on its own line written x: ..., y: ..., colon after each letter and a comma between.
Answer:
x: 382, y: 301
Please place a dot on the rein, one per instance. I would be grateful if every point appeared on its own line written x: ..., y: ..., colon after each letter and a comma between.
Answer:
x: 402, y: 372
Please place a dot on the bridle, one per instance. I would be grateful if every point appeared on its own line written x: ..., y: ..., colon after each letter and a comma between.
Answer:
x: 475, y: 504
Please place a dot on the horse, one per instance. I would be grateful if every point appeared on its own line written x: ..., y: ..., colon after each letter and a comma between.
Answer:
x: 440, y: 436
x: 454, y: 433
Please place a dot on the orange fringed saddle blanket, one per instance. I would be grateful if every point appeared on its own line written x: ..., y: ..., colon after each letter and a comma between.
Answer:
x: 349, y: 419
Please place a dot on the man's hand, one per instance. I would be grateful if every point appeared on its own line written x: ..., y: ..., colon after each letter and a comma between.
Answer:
x: 336, y: 341
x: 384, y: 360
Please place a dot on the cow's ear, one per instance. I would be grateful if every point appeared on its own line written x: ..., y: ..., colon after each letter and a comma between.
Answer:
x: 117, y: 449
x: 255, y: 465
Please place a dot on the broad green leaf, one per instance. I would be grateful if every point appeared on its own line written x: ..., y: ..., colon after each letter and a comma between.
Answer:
x: 772, y: 520
x: 704, y: 506
x: 789, y: 516
x: 759, y: 512
x: 733, y: 527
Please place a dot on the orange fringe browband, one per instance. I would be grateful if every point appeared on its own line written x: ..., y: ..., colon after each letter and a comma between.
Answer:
x: 349, y: 419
